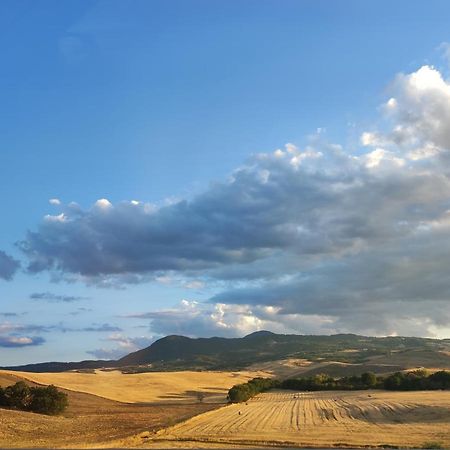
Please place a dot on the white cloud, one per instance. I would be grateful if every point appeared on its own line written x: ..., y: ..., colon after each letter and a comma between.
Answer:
x: 194, y: 284
x: 124, y: 345
x: 419, y: 113
x: 316, y: 233
x: 58, y: 218
x: 103, y: 203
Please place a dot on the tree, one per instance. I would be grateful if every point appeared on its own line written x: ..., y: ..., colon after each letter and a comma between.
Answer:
x: 44, y: 400
x: 440, y: 379
x: 18, y: 396
x: 369, y: 379
x: 48, y: 400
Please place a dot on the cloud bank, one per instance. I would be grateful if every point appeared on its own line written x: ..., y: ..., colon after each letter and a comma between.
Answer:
x: 339, y: 237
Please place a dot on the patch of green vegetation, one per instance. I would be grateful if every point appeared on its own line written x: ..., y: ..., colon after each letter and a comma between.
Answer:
x: 243, y: 392
x: 432, y: 445
x: 417, y: 380
x: 44, y: 400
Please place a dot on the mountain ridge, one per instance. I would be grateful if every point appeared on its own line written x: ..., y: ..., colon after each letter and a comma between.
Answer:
x: 175, y: 352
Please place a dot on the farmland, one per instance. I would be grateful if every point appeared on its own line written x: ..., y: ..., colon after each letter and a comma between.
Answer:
x: 89, y: 421
x: 323, y: 419
x: 164, y: 410
x: 152, y: 387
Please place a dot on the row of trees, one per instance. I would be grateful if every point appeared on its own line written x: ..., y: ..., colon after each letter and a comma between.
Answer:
x: 243, y: 392
x: 417, y: 381
x: 322, y: 382
x: 400, y: 381
x: 43, y: 400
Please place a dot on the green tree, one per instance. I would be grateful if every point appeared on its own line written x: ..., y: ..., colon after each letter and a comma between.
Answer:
x: 48, y: 400
x: 18, y: 396
x: 369, y: 379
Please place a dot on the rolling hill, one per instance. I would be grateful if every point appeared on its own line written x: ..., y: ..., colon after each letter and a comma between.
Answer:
x: 184, y: 353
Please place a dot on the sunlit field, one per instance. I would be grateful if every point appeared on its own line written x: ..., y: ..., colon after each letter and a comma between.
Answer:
x: 325, y: 418
x: 151, y: 387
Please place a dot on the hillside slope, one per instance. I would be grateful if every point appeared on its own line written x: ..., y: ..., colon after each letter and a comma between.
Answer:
x: 183, y: 353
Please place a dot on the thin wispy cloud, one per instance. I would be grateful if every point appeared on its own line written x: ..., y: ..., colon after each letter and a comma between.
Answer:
x: 48, y: 296
x: 8, y: 266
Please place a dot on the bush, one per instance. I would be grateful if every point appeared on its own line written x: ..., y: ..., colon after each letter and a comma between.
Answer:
x: 43, y: 400
x: 18, y: 396
x: 48, y: 400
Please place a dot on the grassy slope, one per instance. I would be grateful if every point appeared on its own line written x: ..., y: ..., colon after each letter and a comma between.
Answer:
x: 90, y: 420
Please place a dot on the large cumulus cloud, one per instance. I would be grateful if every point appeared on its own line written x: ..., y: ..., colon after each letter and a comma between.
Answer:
x: 191, y: 318
x: 315, y: 232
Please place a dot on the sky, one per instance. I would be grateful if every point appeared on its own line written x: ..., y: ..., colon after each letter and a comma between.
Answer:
x: 213, y: 168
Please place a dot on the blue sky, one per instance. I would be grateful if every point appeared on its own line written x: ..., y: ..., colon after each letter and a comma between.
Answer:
x: 165, y: 104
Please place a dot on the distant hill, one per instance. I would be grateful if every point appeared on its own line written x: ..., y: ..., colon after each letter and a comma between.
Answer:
x: 182, y: 353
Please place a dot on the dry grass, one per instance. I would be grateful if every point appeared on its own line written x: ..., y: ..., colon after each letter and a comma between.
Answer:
x: 323, y: 419
x: 151, y: 387
x: 276, y: 418
x: 90, y: 421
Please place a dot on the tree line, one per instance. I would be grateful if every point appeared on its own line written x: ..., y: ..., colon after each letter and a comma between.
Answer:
x: 43, y: 400
x: 399, y: 381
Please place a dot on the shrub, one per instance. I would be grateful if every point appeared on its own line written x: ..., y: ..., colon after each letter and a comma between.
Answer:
x: 18, y: 396
x: 48, y: 400
x: 43, y: 400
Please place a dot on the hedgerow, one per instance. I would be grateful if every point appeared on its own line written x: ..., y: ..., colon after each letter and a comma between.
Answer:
x: 400, y: 381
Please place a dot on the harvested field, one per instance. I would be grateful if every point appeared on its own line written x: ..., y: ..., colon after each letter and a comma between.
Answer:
x: 357, y: 418
x: 89, y: 421
x: 151, y: 387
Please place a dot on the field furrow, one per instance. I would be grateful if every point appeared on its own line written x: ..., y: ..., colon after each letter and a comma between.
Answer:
x: 324, y: 418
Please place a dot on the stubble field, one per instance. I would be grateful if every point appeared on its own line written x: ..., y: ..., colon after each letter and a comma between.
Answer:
x: 163, y: 410
x: 375, y: 418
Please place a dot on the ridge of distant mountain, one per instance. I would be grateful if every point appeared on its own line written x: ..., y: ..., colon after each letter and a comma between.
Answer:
x: 55, y: 366
x: 182, y: 353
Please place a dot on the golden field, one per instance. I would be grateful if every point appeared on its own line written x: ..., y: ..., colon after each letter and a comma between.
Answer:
x: 339, y: 418
x: 163, y: 410
x: 150, y: 387
x: 89, y: 421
